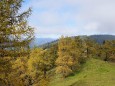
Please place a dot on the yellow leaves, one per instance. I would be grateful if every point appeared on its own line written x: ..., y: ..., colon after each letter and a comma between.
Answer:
x: 43, y: 82
x: 64, y: 70
x: 38, y: 61
x: 38, y: 64
x: 35, y: 53
x: 31, y: 64
x: 65, y: 60
x: 69, y: 54
x: 5, y: 69
x: 35, y: 58
x: 5, y: 64
x: 20, y: 63
x: 19, y: 70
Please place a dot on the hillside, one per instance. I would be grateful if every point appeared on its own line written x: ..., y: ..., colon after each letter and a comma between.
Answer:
x: 93, y: 73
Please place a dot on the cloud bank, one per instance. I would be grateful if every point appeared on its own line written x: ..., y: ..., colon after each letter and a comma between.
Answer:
x: 53, y: 18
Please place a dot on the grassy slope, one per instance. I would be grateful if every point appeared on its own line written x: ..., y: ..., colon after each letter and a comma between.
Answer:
x: 94, y: 73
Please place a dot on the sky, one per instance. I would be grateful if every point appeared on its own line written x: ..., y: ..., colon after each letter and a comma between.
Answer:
x: 53, y: 18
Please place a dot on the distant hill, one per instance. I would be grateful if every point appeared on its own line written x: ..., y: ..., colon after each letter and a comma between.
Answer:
x: 101, y: 38
x: 49, y: 44
x: 98, y: 38
x: 40, y: 41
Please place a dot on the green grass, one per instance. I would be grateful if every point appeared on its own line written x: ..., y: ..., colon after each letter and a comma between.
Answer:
x: 93, y: 73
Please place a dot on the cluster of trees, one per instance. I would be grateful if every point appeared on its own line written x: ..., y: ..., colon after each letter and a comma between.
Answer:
x: 106, y: 51
x: 69, y: 54
x: 73, y: 51
x: 32, y: 69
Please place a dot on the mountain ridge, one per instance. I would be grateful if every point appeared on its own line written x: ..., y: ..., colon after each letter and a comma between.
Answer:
x: 45, y: 42
x: 101, y: 38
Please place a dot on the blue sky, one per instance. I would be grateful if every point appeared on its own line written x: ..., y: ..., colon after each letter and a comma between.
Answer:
x: 53, y: 18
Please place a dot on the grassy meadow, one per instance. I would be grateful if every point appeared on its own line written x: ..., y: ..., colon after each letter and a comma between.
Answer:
x: 93, y: 73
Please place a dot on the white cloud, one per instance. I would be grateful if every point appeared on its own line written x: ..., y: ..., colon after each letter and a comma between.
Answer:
x: 93, y: 26
x: 48, y: 18
x: 64, y: 30
x: 89, y: 16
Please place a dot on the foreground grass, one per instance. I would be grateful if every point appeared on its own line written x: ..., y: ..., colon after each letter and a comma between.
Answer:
x: 93, y: 73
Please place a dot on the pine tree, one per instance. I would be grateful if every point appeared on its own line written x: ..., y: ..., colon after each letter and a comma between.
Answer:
x: 38, y: 65
x: 52, y: 54
x: 67, y: 60
x: 109, y: 50
x: 19, y: 75
x: 15, y: 33
x: 81, y: 48
x: 112, y: 54
x: 91, y: 46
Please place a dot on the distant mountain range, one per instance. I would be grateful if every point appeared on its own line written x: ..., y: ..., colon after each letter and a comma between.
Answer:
x: 40, y: 41
x: 101, y: 38
x: 45, y: 42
